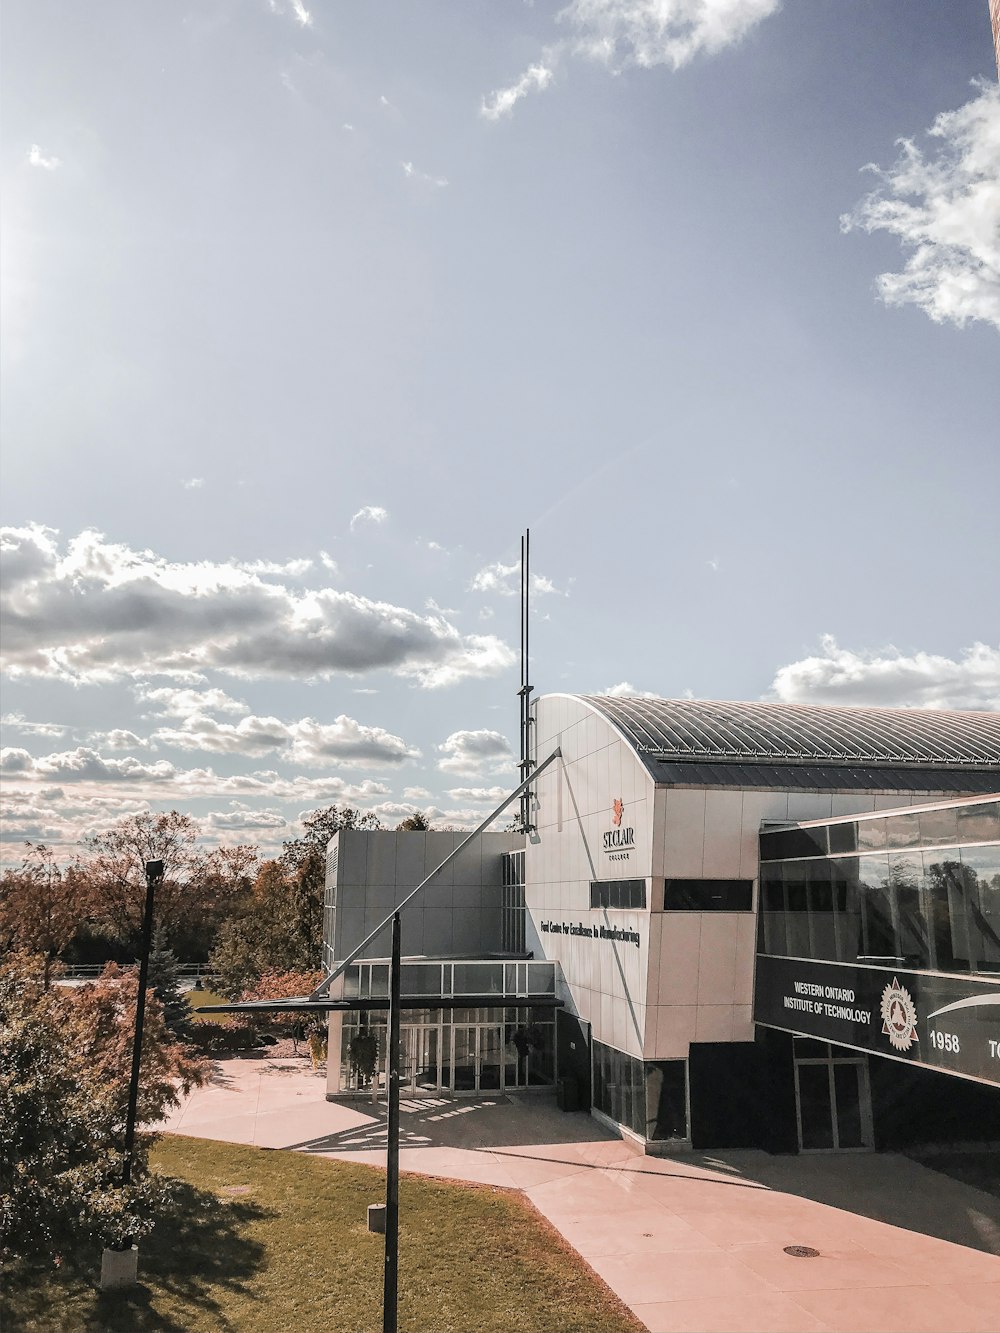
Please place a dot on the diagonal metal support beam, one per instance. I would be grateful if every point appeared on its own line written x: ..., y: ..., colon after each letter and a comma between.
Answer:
x: 355, y: 953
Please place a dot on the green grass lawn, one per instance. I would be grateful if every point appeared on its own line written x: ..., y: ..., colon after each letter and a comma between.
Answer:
x: 200, y: 997
x: 270, y: 1240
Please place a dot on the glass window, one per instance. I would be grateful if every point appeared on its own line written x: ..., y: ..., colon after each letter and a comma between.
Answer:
x: 772, y: 910
x: 666, y: 1100
x: 871, y: 835
x: 878, y: 934
x: 845, y: 889
x: 822, y: 925
x: 902, y: 831
x: 478, y: 979
x: 708, y: 895
x: 979, y: 823
x: 418, y: 979
x: 844, y: 837
x: 938, y: 828
x: 796, y: 909
x: 912, y: 918
x: 982, y: 866
x: 786, y: 844
x: 541, y: 978
x: 949, y: 888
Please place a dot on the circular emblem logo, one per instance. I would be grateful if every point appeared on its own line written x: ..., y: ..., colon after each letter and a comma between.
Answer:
x: 899, y: 1016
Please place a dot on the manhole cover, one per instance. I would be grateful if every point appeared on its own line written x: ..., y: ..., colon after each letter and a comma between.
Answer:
x: 802, y: 1251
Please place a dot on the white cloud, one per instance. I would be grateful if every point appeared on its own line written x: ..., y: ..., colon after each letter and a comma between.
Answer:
x: 295, y: 8
x: 945, y: 209
x: 243, y: 818
x: 36, y: 158
x: 890, y: 679
x: 506, y: 580
x: 86, y: 765
x: 119, y: 739
x: 416, y: 793
x: 328, y: 562
x: 635, y: 33
x: 484, y: 794
x: 410, y: 171
x: 474, y: 752
x: 16, y: 722
x: 369, y: 514
x: 535, y: 78
x: 193, y: 483
x: 306, y: 742
x: 626, y: 690
x: 173, y: 702
x: 100, y: 611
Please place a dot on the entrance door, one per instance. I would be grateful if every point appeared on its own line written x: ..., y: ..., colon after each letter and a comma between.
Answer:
x: 477, y: 1063
x: 832, y: 1098
x: 465, y: 1059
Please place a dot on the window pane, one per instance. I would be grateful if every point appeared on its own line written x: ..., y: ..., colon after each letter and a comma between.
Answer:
x: 822, y: 928
x: 871, y: 835
x: 949, y: 888
x: 902, y: 831
x: 844, y: 837
x: 938, y: 828
x: 979, y: 823
x: 982, y: 865
x: 913, y: 927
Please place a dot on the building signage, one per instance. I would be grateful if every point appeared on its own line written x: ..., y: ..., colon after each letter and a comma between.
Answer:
x: 944, y: 1022
x: 623, y: 933
x: 618, y: 842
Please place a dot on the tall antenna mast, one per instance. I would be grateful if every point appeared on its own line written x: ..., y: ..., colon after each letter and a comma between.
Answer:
x: 524, y: 693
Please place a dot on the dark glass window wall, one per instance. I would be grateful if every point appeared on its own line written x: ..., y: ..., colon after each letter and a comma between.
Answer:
x: 648, y: 1098
x: 936, y: 909
x: 622, y: 894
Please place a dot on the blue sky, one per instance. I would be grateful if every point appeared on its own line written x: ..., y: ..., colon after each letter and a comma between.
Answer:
x: 309, y: 309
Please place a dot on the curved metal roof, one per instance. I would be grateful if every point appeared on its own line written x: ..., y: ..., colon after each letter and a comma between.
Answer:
x: 711, y: 730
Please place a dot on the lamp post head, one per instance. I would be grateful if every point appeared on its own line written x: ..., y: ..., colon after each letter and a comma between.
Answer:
x: 154, y: 871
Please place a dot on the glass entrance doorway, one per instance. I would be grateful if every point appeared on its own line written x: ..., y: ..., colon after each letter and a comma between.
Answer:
x: 419, y: 1060
x: 478, y: 1062
x: 832, y: 1098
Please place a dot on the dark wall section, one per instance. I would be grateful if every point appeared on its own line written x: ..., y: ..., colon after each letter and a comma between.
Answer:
x: 573, y: 1045
x: 912, y: 1105
x: 743, y: 1094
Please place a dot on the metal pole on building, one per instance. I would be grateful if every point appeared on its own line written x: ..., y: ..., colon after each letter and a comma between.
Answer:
x: 154, y: 878
x: 390, y: 1284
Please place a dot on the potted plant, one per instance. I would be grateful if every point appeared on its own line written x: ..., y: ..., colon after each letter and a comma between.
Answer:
x: 363, y: 1053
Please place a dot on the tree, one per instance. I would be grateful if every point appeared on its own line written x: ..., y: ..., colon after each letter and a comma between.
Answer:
x: 163, y: 979
x: 281, y: 925
x: 64, y: 1075
x: 418, y: 822
x: 199, y: 889
x: 304, y: 862
x: 41, y: 907
x: 289, y: 985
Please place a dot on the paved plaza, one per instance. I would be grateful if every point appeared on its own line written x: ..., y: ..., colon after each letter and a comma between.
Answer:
x: 695, y: 1242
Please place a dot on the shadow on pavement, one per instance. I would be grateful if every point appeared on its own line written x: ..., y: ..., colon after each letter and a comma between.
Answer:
x: 886, y: 1187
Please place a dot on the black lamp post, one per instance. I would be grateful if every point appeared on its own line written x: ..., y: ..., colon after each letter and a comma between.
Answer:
x: 154, y: 877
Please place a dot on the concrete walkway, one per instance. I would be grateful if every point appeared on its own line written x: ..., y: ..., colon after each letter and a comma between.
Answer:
x: 689, y: 1243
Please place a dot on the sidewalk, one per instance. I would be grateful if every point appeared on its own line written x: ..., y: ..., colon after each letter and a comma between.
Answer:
x: 689, y: 1243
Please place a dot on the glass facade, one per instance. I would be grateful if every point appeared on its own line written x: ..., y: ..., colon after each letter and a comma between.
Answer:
x: 512, y: 902
x: 708, y: 895
x: 919, y: 890
x: 477, y: 1050
x: 649, y: 1098
x: 624, y: 894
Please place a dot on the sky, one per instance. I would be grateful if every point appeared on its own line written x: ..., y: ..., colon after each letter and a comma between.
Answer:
x: 310, y: 309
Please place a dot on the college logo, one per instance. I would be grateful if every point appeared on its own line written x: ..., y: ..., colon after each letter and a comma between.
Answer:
x: 899, y: 1016
x: 618, y: 809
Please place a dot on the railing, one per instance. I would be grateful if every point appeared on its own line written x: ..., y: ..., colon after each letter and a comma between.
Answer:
x: 85, y: 971
x: 449, y: 979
